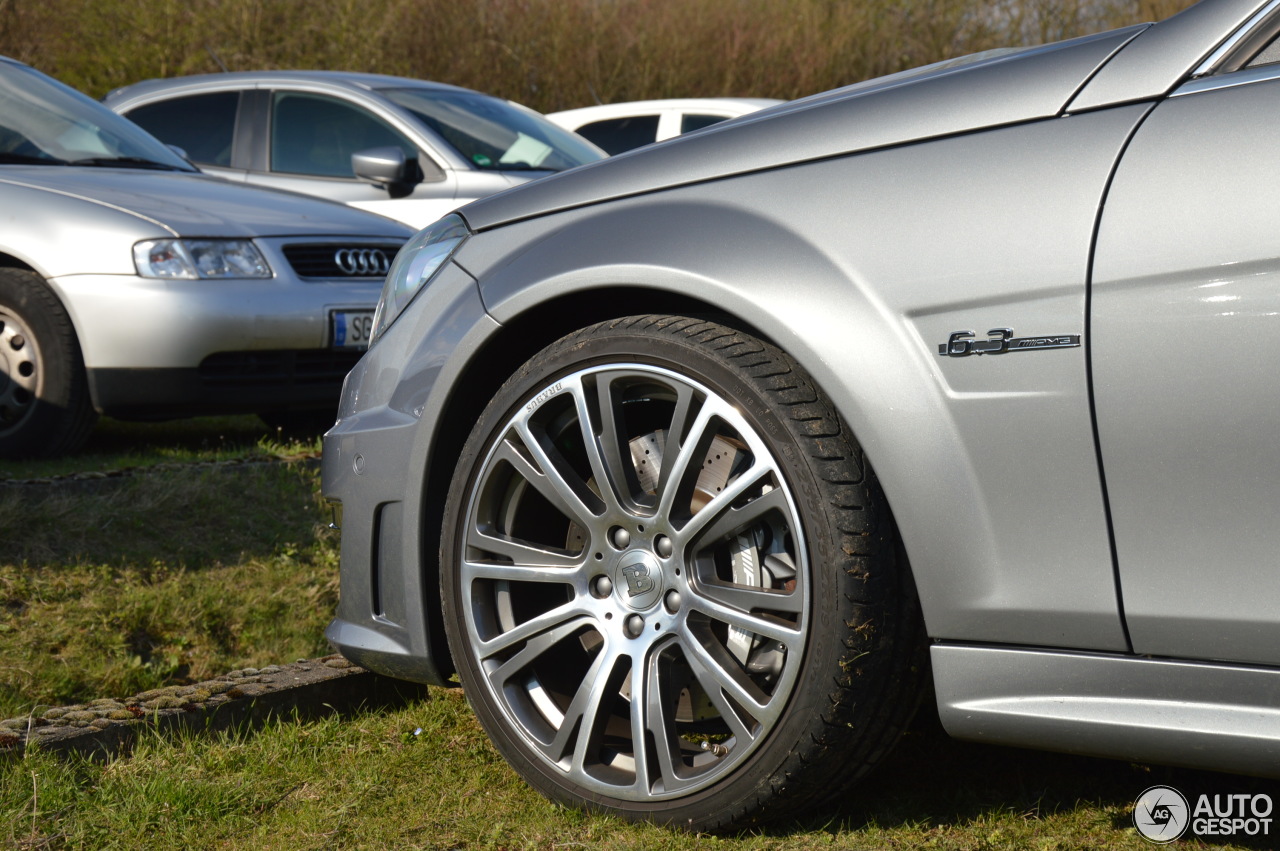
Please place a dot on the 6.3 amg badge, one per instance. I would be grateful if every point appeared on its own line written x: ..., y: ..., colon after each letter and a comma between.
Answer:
x: 962, y: 343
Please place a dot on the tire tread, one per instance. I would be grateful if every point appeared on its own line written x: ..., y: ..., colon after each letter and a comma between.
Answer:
x: 837, y: 753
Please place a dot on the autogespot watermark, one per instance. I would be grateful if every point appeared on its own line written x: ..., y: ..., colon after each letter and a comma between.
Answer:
x: 1162, y: 814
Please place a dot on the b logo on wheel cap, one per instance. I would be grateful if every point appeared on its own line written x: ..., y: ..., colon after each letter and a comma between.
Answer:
x: 638, y: 573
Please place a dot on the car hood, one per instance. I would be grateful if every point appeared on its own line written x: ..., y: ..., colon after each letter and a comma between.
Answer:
x: 193, y: 204
x: 957, y: 96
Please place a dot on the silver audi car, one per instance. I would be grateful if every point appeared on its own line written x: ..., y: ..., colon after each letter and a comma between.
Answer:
x: 700, y: 466
x: 133, y: 285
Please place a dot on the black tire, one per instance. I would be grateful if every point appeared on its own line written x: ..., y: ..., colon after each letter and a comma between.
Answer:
x: 45, y: 409
x: 757, y: 704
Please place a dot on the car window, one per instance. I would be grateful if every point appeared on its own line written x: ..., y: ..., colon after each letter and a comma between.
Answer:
x: 202, y: 125
x: 693, y: 121
x: 316, y: 135
x: 1269, y: 55
x: 493, y: 134
x: 616, y: 135
x: 1253, y: 46
x: 46, y: 122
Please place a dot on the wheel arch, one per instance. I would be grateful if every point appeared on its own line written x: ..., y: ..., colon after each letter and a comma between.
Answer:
x: 9, y: 260
x: 769, y: 277
x: 539, y: 323
x: 46, y: 406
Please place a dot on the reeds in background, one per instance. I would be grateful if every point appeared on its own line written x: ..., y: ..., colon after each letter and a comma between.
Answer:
x: 547, y: 54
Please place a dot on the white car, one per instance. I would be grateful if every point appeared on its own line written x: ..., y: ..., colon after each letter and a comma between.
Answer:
x: 407, y: 149
x: 618, y: 127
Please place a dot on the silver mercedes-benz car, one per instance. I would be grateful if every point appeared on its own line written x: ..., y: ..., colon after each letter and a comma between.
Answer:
x: 133, y: 285
x: 409, y: 149
x: 698, y: 466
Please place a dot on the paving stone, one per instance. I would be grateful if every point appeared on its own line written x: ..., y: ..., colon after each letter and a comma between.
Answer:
x: 305, y: 689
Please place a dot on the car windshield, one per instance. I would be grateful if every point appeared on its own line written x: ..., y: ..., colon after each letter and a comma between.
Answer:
x: 494, y: 134
x: 44, y: 122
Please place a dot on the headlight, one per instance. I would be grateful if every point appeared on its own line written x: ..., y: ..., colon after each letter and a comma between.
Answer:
x: 417, y: 262
x: 190, y: 259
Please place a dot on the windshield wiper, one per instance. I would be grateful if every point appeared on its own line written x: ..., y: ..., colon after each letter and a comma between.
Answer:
x: 126, y: 162
x: 28, y: 159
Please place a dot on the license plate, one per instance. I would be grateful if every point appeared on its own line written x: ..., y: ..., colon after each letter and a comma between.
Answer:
x: 351, y: 328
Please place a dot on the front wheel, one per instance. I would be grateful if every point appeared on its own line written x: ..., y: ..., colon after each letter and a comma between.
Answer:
x: 44, y: 395
x: 670, y: 582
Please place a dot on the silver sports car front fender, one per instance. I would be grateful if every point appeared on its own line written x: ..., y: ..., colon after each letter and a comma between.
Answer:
x: 991, y: 552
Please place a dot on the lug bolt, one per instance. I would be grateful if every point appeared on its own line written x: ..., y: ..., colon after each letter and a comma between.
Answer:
x: 672, y: 601
x: 714, y: 748
x: 603, y: 586
x: 663, y: 546
x: 621, y: 538
x: 634, y: 625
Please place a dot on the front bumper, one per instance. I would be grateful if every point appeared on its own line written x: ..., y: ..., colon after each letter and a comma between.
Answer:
x: 156, y: 349
x: 125, y: 322
x: 247, y: 382
x: 377, y: 461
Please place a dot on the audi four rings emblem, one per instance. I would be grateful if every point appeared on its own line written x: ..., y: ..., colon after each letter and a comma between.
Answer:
x: 362, y: 261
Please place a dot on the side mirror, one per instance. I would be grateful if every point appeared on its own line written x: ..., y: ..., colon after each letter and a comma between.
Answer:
x: 389, y: 167
x: 384, y: 166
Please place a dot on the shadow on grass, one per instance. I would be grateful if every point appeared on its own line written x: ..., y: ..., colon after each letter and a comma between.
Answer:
x: 197, y: 434
x: 933, y: 779
x: 191, y: 517
x: 114, y: 446
x: 202, y: 434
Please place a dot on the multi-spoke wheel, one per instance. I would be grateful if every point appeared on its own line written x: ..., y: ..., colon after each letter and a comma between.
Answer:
x: 44, y: 396
x: 669, y: 585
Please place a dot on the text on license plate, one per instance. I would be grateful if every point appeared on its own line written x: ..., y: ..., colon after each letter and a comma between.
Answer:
x: 351, y: 328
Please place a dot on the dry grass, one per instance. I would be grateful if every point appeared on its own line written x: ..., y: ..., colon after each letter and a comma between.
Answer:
x: 548, y: 54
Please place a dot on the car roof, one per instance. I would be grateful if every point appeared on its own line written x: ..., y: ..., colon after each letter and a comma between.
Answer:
x: 351, y: 80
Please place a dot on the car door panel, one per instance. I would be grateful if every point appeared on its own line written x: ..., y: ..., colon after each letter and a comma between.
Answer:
x: 1186, y: 336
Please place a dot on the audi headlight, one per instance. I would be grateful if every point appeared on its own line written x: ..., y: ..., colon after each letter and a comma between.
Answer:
x: 191, y: 259
x: 415, y: 265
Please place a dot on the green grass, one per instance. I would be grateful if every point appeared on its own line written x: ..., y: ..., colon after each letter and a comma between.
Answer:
x: 375, y: 782
x: 174, y: 575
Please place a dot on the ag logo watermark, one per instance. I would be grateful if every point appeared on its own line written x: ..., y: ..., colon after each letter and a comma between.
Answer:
x: 1162, y: 814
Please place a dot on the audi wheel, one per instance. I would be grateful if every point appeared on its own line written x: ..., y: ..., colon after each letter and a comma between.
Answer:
x: 44, y: 395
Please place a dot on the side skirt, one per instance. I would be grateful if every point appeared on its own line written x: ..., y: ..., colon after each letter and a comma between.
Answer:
x: 1196, y: 714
